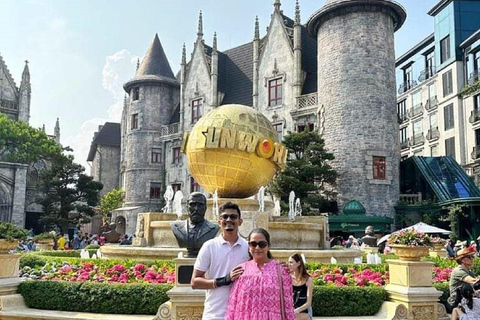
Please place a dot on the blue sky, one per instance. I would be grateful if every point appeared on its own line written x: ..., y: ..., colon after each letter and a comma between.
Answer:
x: 82, y: 51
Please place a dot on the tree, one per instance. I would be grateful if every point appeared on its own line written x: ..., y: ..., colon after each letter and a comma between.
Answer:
x: 111, y: 201
x: 68, y: 195
x: 23, y: 144
x: 307, y: 171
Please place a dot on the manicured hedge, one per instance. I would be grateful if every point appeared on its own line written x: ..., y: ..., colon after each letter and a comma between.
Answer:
x: 94, y: 297
x: 146, y: 298
x: 347, y: 301
x: 444, y: 287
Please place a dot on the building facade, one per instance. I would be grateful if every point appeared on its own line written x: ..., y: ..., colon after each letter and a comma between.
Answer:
x: 437, y: 88
x: 297, y: 76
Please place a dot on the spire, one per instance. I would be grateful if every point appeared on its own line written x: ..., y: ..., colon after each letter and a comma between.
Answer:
x: 214, y: 42
x: 257, y: 29
x: 200, y: 26
x: 26, y: 73
x: 138, y: 64
x: 43, y: 127
x: 155, y: 62
x: 297, y: 13
x: 184, y: 55
x: 57, y: 131
x: 277, y: 5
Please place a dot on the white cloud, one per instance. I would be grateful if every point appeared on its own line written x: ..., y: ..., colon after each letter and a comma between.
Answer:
x: 118, y: 68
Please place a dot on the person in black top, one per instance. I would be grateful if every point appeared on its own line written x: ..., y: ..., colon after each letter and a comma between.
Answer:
x: 302, y: 288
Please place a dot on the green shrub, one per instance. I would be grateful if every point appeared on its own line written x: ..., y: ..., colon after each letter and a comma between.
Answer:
x: 347, y: 301
x: 94, y: 297
x: 444, y: 287
x: 10, y: 232
x: 92, y: 247
x: 43, y: 236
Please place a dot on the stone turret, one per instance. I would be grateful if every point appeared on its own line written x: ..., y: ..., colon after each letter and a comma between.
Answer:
x: 153, y: 96
x: 214, y: 74
x: 356, y: 85
x: 297, y: 52
x: 56, y: 131
x: 25, y: 92
x: 256, y: 53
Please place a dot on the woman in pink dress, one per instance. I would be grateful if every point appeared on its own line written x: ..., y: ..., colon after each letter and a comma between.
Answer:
x: 257, y: 294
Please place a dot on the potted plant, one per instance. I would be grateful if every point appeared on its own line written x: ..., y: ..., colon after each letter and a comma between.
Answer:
x: 438, y: 243
x: 9, y: 236
x: 44, y: 237
x: 409, y: 244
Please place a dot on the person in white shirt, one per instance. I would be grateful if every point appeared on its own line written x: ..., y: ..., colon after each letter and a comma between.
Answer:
x: 214, y: 269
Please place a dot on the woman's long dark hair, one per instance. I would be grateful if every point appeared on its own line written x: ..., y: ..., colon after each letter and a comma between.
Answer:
x: 267, y: 238
x: 303, y: 271
x: 467, y: 293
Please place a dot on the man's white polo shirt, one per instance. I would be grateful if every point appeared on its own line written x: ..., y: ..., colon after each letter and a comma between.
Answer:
x: 217, y: 258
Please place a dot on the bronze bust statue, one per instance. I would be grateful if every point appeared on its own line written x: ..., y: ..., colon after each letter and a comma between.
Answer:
x: 111, y: 236
x: 195, y: 231
x: 369, y: 239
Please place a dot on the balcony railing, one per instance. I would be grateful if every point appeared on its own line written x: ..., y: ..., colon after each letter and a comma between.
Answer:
x: 431, y: 103
x: 474, y: 116
x: 407, y: 85
x: 427, y: 73
x: 474, y: 77
x: 415, y: 111
x: 433, y: 134
x: 403, y: 145
x: 416, y: 140
x: 411, y: 198
x: 402, y: 117
x: 170, y: 129
x: 307, y: 100
x: 475, y: 153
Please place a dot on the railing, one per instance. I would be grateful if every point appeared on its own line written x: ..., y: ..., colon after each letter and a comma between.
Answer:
x: 403, y: 145
x: 433, y: 134
x: 307, y: 100
x: 411, y: 198
x: 427, y: 73
x: 402, y: 117
x: 474, y: 116
x: 416, y: 139
x: 170, y: 129
x: 474, y: 77
x: 431, y: 103
x: 407, y: 85
x: 7, y: 104
x: 475, y: 153
x: 416, y: 111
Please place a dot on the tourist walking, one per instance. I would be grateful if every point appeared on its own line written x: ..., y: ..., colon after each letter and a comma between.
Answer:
x: 469, y: 308
x: 218, y: 257
x: 264, y: 290
x: 462, y: 274
x: 302, y: 287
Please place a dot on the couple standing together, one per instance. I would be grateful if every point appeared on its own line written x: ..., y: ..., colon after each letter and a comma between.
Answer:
x: 241, y: 278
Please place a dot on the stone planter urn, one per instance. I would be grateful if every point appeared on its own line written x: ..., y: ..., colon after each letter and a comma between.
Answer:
x: 409, y: 253
x: 9, y: 262
x: 7, y: 245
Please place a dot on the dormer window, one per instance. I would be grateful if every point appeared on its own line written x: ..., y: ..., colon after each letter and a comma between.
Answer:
x: 136, y: 94
x: 134, y: 123
x: 275, y: 92
x: 196, y: 110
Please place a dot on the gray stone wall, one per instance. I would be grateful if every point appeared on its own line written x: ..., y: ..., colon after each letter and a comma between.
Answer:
x: 13, y: 186
x: 105, y: 167
x: 9, y: 100
x: 356, y: 84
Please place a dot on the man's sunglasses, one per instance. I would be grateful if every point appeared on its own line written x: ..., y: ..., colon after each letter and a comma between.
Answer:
x: 233, y: 216
x: 261, y: 244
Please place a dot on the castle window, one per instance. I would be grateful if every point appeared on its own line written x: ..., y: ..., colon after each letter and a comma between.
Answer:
x: 134, y: 121
x: 402, y: 109
x: 196, y: 110
x: 450, y: 147
x: 176, y: 187
x: 156, y: 155
x: 304, y: 127
x: 194, y: 186
x: 176, y: 155
x: 155, y: 190
x: 447, y: 82
x: 136, y: 94
x: 279, y: 130
x: 445, y: 49
x: 379, y: 168
x: 275, y: 92
x: 448, y: 117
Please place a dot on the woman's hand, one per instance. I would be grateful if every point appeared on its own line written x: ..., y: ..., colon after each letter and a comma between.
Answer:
x: 296, y: 311
x: 236, y: 273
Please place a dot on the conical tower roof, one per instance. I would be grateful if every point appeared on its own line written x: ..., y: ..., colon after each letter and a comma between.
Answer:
x: 154, y: 67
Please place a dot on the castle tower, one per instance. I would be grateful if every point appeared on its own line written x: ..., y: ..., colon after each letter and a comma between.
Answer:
x: 25, y: 92
x: 153, y: 96
x: 57, y: 131
x: 356, y: 86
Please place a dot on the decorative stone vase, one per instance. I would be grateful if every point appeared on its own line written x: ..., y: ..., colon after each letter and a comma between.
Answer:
x: 7, y: 245
x: 437, y: 247
x: 408, y: 253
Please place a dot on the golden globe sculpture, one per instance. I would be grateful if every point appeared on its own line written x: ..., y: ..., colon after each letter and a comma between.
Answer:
x: 233, y: 149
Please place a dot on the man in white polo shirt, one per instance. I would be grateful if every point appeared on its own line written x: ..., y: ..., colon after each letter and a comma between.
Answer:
x: 214, y: 269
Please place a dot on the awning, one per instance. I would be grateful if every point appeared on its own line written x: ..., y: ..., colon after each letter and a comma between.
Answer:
x: 358, y: 222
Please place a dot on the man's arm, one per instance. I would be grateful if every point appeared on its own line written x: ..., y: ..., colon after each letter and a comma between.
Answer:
x: 199, y: 282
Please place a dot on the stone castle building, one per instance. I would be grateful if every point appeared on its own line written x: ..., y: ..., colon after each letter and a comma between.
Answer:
x: 17, y: 191
x: 334, y: 75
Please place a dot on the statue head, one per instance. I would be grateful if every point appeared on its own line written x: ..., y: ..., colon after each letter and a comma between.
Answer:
x: 197, y: 205
x: 369, y: 231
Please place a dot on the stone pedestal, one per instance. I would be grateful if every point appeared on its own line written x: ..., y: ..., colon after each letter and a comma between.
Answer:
x: 411, y: 285
x: 442, y: 253
x: 371, y: 250
x: 185, y: 303
x: 9, y: 265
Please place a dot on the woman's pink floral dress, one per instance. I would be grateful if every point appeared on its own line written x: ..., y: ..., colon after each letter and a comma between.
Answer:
x: 256, y: 294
